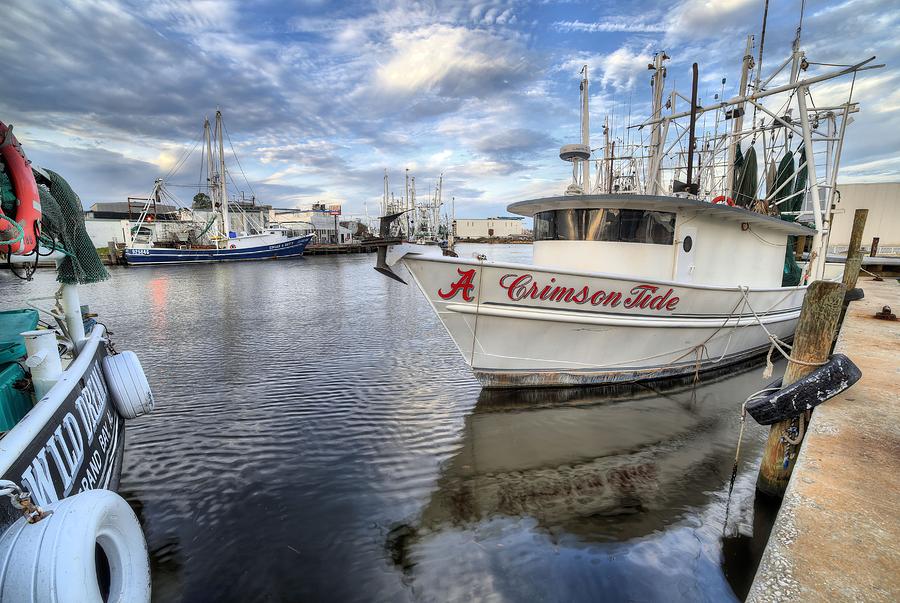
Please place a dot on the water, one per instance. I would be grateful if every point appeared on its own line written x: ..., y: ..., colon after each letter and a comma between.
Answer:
x: 318, y: 437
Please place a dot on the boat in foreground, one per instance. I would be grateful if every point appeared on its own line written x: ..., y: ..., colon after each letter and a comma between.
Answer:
x: 633, y: 280
x: 639, y: 289
x: 65, y: 394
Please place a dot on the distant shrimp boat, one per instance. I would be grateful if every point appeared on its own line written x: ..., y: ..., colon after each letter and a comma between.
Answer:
x: 217, y: 242
x: 273, y: 244
x: 632, y: 282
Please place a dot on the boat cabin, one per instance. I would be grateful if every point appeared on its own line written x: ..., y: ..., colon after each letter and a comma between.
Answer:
x: 660, y: 238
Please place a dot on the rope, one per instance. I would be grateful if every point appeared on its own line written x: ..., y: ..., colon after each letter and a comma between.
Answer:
x: 19, y: 237
x: 481, y: 258
x: 737, y: 451
x: 777, y: 344
x: 801, y: 427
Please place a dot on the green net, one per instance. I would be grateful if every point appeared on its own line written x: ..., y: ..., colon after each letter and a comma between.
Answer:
x: 7, y: 196
x: 62, y: 228
x: 746, y: 174
x: 8, y: 228
x: 792, y: 271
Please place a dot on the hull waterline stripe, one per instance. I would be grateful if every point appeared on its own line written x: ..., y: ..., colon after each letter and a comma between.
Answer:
x: 683, y: 316
x: 563, y: 377
x: 617, y: 320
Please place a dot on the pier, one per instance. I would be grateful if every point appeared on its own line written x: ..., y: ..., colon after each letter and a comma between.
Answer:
x: 835, y: 537
x: 344, y: 248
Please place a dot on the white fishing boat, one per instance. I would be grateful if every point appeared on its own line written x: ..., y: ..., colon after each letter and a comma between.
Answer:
x: 65, y: 396
x: 675, y: 258
x: 215, y: 241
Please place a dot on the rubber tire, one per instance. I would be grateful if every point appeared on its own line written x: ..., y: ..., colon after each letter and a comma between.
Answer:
x: 128, y: 385
x: 52, y: 561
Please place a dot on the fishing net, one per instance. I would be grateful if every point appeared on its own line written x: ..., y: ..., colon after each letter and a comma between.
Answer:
x: 62, y: 229
x: 7, y: 196
x: 792, y: 272
x: 8, y: 231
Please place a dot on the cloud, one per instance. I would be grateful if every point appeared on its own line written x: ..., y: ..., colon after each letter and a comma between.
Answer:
x: 618, y: 69
x: 450, y: 62
x: 710, y: 18
x: 610, y: 24
x: 514, y: 143
x: 320, y: 97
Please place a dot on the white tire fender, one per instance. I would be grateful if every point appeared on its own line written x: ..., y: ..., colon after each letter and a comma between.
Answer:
x: 128, y: 385
x: 54, y: 560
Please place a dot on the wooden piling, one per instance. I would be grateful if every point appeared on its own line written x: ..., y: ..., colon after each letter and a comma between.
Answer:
x: 854, y: 251
x: 812, y: 344
x: 113, y: 252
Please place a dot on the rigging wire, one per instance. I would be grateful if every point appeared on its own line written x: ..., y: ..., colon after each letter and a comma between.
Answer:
x: 233, y: 152
x: 183, y: 158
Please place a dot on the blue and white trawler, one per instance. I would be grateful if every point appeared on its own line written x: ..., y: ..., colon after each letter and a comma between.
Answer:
x: 216, y: 241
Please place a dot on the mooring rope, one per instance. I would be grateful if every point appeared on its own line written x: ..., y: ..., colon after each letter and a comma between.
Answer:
x: 737, y: 451
x: 481, y: 258
x: 777, y: 343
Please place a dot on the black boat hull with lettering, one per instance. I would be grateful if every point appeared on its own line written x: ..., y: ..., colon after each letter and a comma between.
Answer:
x: 71, y: 441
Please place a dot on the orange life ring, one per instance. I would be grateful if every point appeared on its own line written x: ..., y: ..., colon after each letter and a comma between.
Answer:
x: 727, y: 200
x: 232, y: 246
x: 28, y: 212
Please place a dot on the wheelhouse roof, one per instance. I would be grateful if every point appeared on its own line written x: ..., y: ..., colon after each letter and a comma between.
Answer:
x: 658, y: 203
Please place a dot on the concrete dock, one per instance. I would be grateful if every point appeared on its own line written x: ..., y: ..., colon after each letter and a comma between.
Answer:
x: 837, y: 534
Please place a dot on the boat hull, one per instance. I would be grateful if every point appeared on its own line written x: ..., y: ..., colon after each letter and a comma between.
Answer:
x: 532, y: 326
x: 72, y: 440
x: 159, y: 255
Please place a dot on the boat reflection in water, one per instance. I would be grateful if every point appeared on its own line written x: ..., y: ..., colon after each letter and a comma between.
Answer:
x: 579, y: 494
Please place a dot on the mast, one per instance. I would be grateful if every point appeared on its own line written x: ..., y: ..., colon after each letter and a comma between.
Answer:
x: 605, y: 172
x: 816, y: 260
x: 585, y: 132
x: 406, y: 201
x: 412, y: 200
x: 384, y: 201
x: 451, y: 235
x: 692, y: 138
x: 437, y: 206
x: 657, y: 140
x: 223, y: 190
x: 210, y: 165
x: 738, y: 118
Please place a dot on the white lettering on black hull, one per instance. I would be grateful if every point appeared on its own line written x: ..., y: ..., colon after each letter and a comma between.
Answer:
x: 60, y: 465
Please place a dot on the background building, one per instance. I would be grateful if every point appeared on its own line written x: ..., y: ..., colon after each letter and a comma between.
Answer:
x: 882, y: 199
x: 323, y: 221
x: 502, y: 227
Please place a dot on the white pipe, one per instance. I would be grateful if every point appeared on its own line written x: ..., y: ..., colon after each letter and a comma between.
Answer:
x: 585, y: 132
x: 758, y: 95
x: 43, y: 360
x: 737, y: 123
x: 817, y: 258
x: 71, y: 304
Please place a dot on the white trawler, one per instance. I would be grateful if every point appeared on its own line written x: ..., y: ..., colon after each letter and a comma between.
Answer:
x: 634, y: 279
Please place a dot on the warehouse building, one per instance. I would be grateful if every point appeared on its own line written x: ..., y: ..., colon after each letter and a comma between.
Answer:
x: 882, y: 199
x: 501, y: 227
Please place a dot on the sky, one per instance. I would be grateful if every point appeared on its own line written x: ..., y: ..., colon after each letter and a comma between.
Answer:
x: 320, y: 98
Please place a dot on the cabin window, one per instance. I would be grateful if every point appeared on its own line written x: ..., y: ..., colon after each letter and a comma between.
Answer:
x: 619, y: 225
